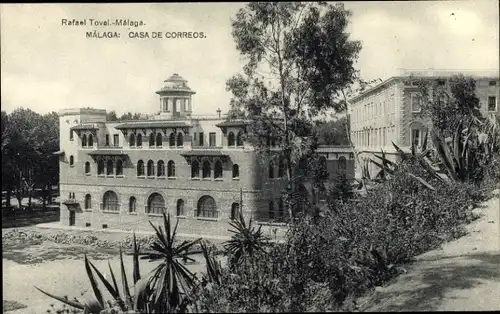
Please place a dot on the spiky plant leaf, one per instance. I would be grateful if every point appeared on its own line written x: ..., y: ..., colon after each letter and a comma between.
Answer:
x: 63, y: 300
x: 422, y: 181
x: 126, y: 290
x: 93, y: 282
x: 424, y: 143
x: 114, y: 293
x: 115, y: 284
x: 135, y: 249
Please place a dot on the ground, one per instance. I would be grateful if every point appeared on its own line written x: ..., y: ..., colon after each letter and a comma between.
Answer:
x: 464, y: 275
x: 57, y: 268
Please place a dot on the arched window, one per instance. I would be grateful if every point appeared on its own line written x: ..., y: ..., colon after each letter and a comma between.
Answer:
x: 151, y: 140
x: 171, y: 140
x: 342, y: 163
x: 140, y: 168
x: 160, y: 171
x: 271, y: 170
x: 88, y: 201
x: 84, y: 140
x: 100, y: 167
x: 281, y: 167
x: 132, y: 140
x: 271, y: 210
x: 132, y: 205
x: 87, y: 167
x: 109, y: 167
x: 139, y: 140
x: 91, y: 141
x: 151, y: 170
x: 195, y: 169
x: 171, y: 169
x: 218, y: 169
x: 180, y: 207
x: 110, y: 202
x: 119, y: 167
x: 71, y: 160
x: 235, y: 211
x: 206, y: 207
x: 236, y: 171
x: 239, y: 139
x: 206, y: 169
x: 159, y: 140
x: 156, y: 204
x: 230, y: 139
x: 180, y: 140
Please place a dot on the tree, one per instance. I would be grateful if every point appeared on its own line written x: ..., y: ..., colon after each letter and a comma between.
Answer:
x: 28, y: 141
x: 332, y: 132
x: 299, y: 58
x: 111, y: 116
x: 447, y: 105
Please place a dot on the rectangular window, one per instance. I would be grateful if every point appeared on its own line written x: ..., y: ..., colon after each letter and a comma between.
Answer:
x: 194, y: 137
x: 492, y: 103
x: 211, y: 139
x: 493, y: 83
x: 107, y: 139
x: 70, y: 135
x: 116, y: 142
x: 201, y: 139
x: 415, y: 103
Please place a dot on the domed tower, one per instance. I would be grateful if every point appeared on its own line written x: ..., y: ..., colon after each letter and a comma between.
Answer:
x: 175, y: 98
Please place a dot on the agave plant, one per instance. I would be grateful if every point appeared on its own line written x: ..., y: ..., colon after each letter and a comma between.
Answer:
x: 388, y: 167
x: 125, y: 301
x: 170, y: 284
x: 245, y: 240
x: 459, y: 157
x: 214, y: 268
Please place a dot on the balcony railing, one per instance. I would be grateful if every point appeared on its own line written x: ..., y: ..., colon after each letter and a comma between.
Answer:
x: 155, y: 210
x: 110, y: 146
x: 110, y: 207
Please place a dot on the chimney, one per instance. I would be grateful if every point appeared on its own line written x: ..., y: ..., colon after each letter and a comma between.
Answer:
x: 218, y: 112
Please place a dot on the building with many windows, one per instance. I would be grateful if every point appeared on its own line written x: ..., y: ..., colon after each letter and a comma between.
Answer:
x: 390, y: 112
x: 122, y: 174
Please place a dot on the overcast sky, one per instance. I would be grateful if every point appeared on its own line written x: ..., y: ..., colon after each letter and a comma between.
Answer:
x: 46, y: 66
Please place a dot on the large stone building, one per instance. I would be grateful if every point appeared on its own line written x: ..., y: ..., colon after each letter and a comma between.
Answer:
x: 390, y: 112
x: 122, y: 174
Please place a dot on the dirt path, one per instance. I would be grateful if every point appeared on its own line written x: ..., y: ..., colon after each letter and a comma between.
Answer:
x: 464, y: 275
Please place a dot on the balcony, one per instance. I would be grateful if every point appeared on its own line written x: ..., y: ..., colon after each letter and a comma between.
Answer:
x: 155, y: 210
x: 115, y: 146
x: 110, y: 207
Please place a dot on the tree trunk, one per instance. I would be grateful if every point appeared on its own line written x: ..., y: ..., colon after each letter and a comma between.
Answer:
x: 9, y: 195
x: 44, y: 198
x: 289, y: 191
x: 29, y: 199
x: 50, y: 193
x: 19, y: 197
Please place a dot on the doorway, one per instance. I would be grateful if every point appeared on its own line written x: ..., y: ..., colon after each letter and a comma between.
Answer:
x: 72, y: 218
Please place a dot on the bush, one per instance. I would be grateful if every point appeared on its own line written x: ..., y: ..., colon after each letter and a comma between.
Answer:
x: 340, y: 252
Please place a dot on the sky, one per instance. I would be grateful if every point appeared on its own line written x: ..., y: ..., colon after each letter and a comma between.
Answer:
x: 47, y: 66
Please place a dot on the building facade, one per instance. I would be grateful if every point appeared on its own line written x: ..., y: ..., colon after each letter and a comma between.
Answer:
x: 390, y: 112
x: 199, y: 169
